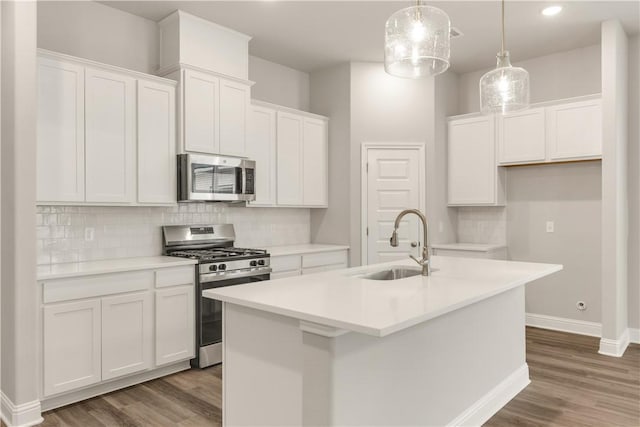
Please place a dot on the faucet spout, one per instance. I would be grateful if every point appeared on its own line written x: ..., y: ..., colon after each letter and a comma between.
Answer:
x: 425, y: 262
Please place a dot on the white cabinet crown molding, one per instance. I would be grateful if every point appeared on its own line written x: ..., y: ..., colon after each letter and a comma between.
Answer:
x: 182, y: 66
x: 106, y: 67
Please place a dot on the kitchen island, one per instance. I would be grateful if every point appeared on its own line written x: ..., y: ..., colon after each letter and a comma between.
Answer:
x: 338, y: 348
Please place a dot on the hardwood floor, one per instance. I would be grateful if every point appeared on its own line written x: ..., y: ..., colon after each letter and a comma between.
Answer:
x: 571, y: 385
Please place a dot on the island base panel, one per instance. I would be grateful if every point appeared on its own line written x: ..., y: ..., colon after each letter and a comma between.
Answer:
x: 456, y: 369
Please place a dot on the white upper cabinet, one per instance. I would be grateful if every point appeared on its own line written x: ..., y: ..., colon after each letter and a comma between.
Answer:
x: 474, y: 178
x: 201, y: 106
x: 216, y: 112
x: 574, y: 130
x: 289, y: 159
x: 261, y: 147
x: 101, y: 141
x: 521, y: 137
x: 156, y: 143
x: 110, y: 133
x: 235, y: 100
x: 60, y: 144
x: 315, y: 163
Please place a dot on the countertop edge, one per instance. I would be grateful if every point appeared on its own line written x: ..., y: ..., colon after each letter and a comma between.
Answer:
x: 146, y: 263
x: 291, y: 249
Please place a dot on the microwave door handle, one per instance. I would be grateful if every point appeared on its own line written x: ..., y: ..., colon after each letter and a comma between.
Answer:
x: 243, y: 180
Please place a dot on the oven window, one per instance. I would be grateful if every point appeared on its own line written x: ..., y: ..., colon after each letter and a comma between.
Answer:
x: 216, y: 179
x: 211, y: 310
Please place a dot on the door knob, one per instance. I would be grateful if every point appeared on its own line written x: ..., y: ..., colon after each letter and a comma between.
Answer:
x: 414, y: 244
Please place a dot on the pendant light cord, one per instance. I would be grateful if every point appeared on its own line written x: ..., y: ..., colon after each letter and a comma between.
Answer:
x: 502, y: 50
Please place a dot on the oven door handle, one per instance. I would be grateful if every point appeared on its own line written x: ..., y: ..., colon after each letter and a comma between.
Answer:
x: 219, y: 276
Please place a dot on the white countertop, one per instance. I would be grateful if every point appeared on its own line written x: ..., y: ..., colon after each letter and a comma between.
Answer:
x: 74, y: 269
x: 475, y: 247
x: 307, y: 248
x: 341, y: 299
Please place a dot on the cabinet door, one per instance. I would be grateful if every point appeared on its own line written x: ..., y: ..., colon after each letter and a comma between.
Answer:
x: 126, y: 334
x: 289, y: 159
x: 156, y: 143
x: 71, y: 345
x: 60, y: 143
x: 234, y: 110
x: 261, y: 147
x: 201, y: 112
x: 314, y: 164
x: 175, y: 325
x: 574, y: 130
x: 472, y: 161
x: 521, y: 137
x: 110, y: 137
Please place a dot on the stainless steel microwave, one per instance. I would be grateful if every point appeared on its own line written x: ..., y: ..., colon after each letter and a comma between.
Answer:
x: 212, y: 178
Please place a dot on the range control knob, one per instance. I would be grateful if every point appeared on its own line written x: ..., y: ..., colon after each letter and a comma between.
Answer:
x: 222, y: 267
x: 260, y: 262
x: 213, y: 268
x: 253, y: 263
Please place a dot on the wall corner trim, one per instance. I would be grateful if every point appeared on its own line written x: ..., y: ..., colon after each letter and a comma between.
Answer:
x: 615, y: 348
x: 23, y: 415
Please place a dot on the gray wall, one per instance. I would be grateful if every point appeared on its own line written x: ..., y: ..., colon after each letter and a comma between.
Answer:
x: 330, y: 96
x: 94, y: 31
x: 278, y: 84
x: 529, y: 206
x: 634, y: 182
x: 560, y: 75
x: 570, y: 195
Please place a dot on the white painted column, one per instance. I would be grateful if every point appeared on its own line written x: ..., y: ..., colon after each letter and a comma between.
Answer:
x: 615, y: 221
x: 20, y: 404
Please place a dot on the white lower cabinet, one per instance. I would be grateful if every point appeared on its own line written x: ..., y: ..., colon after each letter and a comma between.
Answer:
x: 102, y: 327
x: 71, y: 345
x: 126, y: 334
x: 307, y: 263
x: 174, y: 316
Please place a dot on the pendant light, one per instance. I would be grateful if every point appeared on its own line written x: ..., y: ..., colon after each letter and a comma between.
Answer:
x: 417, y: 42
x: 506, y: 88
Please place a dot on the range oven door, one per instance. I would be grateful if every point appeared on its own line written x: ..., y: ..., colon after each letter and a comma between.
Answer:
x: 209, y: 316
x: 215, y: 178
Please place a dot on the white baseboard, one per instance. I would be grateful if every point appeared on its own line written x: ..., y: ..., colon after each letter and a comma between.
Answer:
x: 107, y: 387
x: 488, y: 405
x: 616, y: 347
x: 562, y: 324
x: 634, y: 335
x: 23, y: 415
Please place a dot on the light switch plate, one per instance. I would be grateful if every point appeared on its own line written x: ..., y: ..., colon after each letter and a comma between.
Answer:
x: 550, y: 226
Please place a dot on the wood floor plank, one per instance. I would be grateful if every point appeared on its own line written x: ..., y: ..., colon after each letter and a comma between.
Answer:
x: 571, y: 385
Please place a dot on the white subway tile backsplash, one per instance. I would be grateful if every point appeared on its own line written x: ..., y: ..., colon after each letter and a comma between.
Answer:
x: 64, y: 232
x: 482, y: 224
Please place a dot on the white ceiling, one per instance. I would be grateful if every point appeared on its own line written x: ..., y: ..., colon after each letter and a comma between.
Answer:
x: 308, y: 35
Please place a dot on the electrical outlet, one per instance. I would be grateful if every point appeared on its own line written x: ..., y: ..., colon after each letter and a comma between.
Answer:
x: 440, y: 226
x: 89, y: 233
x: 550, y: 226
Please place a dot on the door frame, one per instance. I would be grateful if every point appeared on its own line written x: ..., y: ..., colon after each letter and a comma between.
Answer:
x: 364, y: 185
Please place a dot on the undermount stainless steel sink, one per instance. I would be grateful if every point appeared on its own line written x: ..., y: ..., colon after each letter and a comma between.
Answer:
x: 393, y: 273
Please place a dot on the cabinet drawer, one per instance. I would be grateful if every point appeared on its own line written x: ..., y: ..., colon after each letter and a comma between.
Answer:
x: 94, y: 286
x: 285, y: 263
x: 324, y: 258
x: 174, y: 276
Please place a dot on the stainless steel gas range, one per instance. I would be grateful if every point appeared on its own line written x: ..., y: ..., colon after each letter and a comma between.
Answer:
x: 219, y: 264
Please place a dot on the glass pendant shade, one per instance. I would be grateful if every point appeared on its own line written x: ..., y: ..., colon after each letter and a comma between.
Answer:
x: 505, y: 89
x: 417, y: 42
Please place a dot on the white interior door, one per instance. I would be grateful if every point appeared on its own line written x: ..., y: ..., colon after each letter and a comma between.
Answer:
x: 394, y: 182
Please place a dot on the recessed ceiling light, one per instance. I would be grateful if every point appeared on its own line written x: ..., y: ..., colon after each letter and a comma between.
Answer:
x: 551, y: 10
